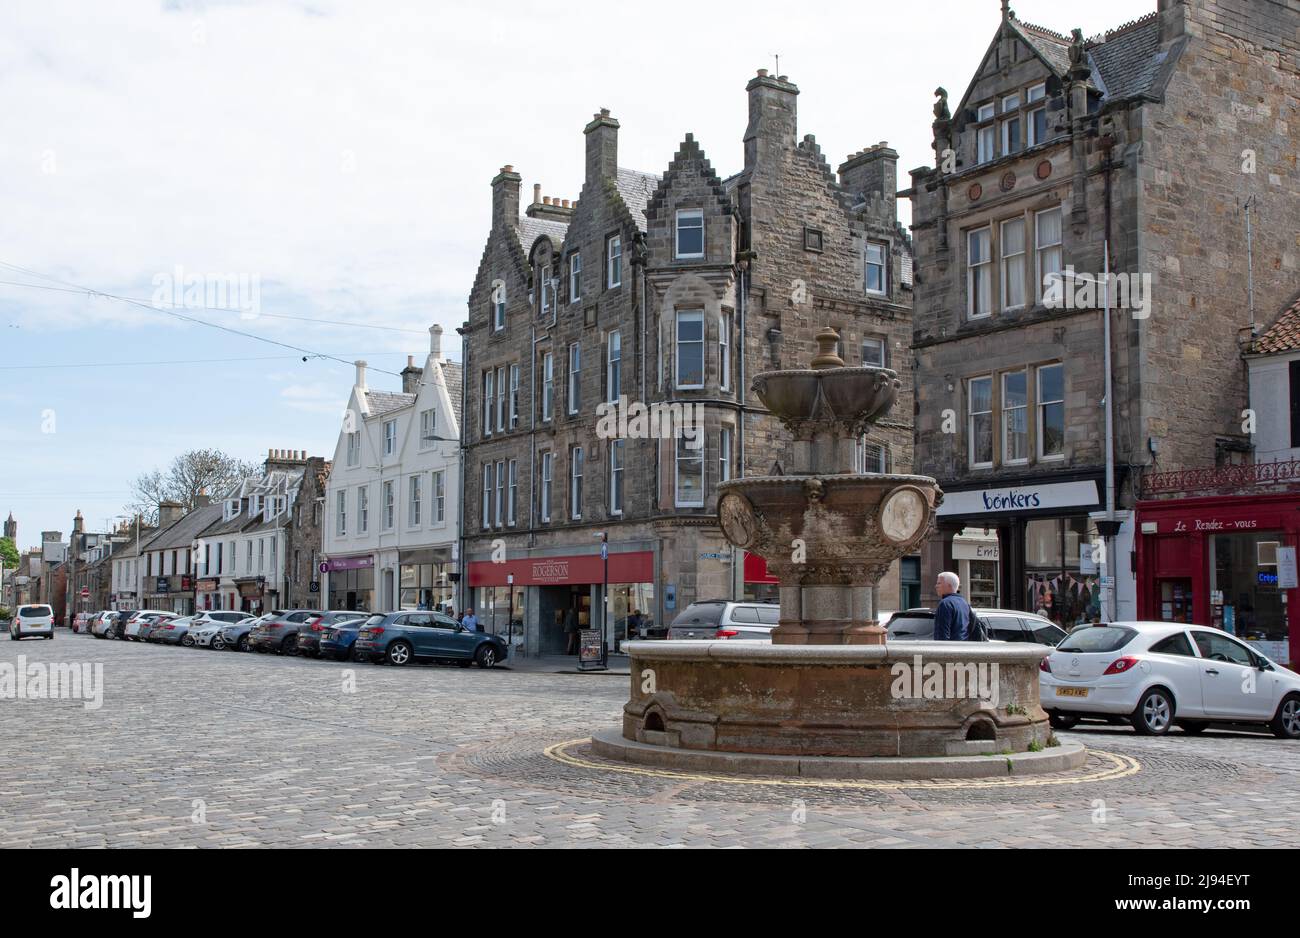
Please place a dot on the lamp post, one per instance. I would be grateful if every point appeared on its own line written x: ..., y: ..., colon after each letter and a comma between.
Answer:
x: 510, y: 608
x: 604, y: 598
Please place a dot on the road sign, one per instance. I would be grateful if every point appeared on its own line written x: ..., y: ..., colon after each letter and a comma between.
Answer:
x: 85, y: 592
x: 324, y: 566
x: 315, y: 587
x: 604, y: 551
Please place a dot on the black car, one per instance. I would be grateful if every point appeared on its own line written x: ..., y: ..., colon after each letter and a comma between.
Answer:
x: 1005, y: 625
x: 311, y: 630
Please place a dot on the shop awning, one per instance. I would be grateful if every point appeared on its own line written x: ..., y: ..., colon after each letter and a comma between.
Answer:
x: 756, y: 570
x: 576, y: 569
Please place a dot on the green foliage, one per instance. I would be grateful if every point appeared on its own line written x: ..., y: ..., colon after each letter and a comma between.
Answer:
x: 9, y: 553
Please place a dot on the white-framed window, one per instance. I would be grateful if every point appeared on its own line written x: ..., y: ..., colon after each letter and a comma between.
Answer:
x: 544, y: 497
x: 689, y: 483
x: 488, y: 469
x: 548, y: 288
x: 616, y: 477
x: 232, y: 508
x: 248, y: 557
x: 1036, y: 126
x: 690, y: 234
x: 724, y: 454
x: 575, y: 483
x: 363, y: 509
x: 613, y: 261
x: 501, y: 399
x: 513, y: 500
x: 575, y: 277
x: 341, y: 519
x: 390, y: 437
x: 488, y: 395
x: 979, y: 285
x: 1015, y: 418
x: 413, y: 506
x: 390, y: 505
x: 273, y: 540
x: 614, y: 367
x: 499, y: 307
x: 1011, y: 135
x: 873, y: 351
x: 979, y: 422
x: 985, y: 137
x: 877, y: 268
x: 514, y: 396
x: 1011, y: 102
x: 1036, y: 92
x: 1013, y: 263
x: 1047, y: 240
x: 575, y: 377
x: 724, y: 350
x: 354, y: 448
x: 1051, y: 412
x: 869, y: 456
x: 548, y: 384
x: 428, y: 427
x: 690, y: 348
x: 440, y: 496
x: 501, y: 493
x: 261, y: 554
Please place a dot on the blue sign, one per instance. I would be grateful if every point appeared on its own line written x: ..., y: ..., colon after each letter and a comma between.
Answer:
x: 670, y: 597
x: 1267, y: 579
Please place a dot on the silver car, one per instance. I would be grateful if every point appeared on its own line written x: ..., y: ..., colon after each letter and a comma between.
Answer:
x: 1004, y: 625
x: 723, y: 619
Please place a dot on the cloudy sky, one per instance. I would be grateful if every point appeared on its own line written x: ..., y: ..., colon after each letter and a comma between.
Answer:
x: 334, y: 156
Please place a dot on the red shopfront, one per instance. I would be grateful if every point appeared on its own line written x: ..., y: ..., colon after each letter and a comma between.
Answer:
x: 1216, y: 561
x: 550, y: 593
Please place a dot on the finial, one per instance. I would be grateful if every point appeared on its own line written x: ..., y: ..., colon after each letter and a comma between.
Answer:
x: 827, y: 357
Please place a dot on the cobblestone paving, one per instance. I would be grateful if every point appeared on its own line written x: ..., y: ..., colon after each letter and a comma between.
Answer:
x: 201, y: 748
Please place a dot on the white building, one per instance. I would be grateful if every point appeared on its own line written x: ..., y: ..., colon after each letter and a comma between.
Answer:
x: 391, y: 525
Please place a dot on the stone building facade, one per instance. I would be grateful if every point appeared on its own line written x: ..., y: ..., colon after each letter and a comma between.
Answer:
x: 1151, y: 138
x: 667, y: 291
x: 304, y: 537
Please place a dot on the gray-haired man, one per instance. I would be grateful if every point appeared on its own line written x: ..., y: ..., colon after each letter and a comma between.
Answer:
x: 952, y: 617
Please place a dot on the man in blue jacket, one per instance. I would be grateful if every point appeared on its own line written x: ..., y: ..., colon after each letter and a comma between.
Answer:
x: 952, y: 617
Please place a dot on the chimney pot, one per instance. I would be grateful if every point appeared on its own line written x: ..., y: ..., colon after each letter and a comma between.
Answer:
x: 546, y: 200
x: 784, y: 78
x: 566, y: 203
x: 410, y: 361
x: 537, y: 193
x: 508, y: 168
x: 762, y: 73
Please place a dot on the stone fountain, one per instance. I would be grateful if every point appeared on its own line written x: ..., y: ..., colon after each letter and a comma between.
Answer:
x: 828, y: 697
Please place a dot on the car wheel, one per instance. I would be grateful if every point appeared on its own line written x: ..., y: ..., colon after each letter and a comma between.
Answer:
x: 290, y: 645
x: 187, y: 642
x: 1154, y: 714
x: 218, y: 643
x: 399, y: 653
x: 1287, y: 722
x: 1060, y: 721
x: 486, y: 656
x: 1193, y: 727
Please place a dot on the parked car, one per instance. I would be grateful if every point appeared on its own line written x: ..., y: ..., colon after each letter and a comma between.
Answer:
x: 723, y: 619
x: 227, y: 616
x: 107, y: 625
x: 338, y: 640
x: 81, y: 622
x: 150, y: 622
x: 311, y: 629
x: 131, y: 627
x: 204, y: 633
x: 1005, y: 625
x: 280, y: 633
x: 238, y: 636
x: 401, y: 637
x: 1164, y: 674
x: 171, y: 631
x: 32, y: 622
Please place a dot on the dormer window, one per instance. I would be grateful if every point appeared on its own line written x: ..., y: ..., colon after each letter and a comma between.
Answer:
x: 984, y: 136
x: 232, y: 508
x: 255, y: 505
x: 690, y: 234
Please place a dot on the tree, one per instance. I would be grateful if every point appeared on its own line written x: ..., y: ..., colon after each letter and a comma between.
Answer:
x: 202, y: 470
x: 9, y: 553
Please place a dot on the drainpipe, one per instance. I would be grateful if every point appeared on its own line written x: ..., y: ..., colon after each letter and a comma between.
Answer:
x: 464, y: 414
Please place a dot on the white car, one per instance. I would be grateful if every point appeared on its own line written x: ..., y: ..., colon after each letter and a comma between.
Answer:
x: 32, y: 621
x: 132, y: 627
x: 203, y: 632
x: 1164, y: 674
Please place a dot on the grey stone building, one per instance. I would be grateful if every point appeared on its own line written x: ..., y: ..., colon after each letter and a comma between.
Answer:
x: 304, y: 535
x: 1152, y: 138
x: 664, y: 293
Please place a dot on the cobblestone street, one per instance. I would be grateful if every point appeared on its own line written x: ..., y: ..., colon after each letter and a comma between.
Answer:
x: 201, y: 748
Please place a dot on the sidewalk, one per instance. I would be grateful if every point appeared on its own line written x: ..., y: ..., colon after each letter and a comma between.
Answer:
x: 619, y: 665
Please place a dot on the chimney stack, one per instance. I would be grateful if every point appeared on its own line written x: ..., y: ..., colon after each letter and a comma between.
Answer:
x: 435, y: 343
x: 411, y: 376
x: 872, y: 171
x: 772, y: 117
x: 505, y: 198
x: 169, y: 513
x: 361, y: 374
x: 602, y: 147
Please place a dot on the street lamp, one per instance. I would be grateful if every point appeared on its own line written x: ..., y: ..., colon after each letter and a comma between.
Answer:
x: 604, y: 598
x: 510, y: 607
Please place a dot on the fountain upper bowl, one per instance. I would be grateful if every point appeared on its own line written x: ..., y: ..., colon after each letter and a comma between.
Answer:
x: 856, y: 397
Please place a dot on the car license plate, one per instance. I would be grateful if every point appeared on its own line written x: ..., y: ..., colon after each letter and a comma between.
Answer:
x: 1072, y: 692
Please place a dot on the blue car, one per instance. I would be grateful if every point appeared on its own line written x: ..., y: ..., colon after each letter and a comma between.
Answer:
x: 339, y: 639
x: 401, y: 637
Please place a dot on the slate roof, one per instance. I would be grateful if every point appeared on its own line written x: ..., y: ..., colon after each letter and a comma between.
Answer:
x: 1049, y: 44
x: 1127, y: 60
x: 454, y: 373
x: 636, y: 188
x: 384, y: 402
x: 530, y: 229
x: 1283, y: 335
x: 183, y: 532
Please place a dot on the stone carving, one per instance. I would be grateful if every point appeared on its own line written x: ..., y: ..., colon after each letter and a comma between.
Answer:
x: 941, y: 111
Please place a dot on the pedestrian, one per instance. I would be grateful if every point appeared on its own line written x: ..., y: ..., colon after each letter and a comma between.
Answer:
x: 952, y: 618
x: 571, y: 632
x: 470, y: 621
x: 636, y: 625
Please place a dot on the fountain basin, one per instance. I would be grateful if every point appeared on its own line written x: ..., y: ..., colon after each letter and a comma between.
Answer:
x: 848, y: 701
x: 843, y: 399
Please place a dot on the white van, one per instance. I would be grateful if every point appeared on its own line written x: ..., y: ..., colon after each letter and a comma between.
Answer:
x: 32, y: 621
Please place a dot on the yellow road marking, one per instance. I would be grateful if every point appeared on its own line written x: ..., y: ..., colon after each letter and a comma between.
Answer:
x: 1120, y: 766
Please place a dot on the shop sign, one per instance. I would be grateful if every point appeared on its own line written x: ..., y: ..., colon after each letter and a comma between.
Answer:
x: 1015, y: 498
x: 164, y: 585
x: 347, y: 563
x: 591, y: 649
x: 1286, y: 568
x: 579, y: 569
x: 975, y: 550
